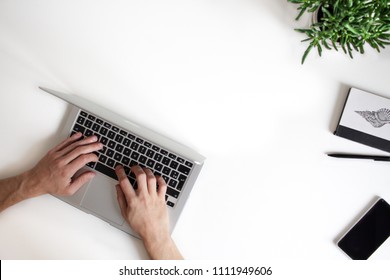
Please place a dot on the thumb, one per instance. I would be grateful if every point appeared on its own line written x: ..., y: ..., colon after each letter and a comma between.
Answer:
x: 78, y: 182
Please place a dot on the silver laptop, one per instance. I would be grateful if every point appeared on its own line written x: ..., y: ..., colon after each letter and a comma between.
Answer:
x: 128, y: 144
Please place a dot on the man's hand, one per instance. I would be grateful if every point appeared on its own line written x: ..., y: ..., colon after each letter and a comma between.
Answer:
x: 54, y: 173
x: 146, y: 212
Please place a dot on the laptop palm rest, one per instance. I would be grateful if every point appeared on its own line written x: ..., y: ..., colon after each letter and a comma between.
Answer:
x: 101, y: 199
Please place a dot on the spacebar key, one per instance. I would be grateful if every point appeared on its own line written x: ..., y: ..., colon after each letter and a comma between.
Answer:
x: 106, y: 170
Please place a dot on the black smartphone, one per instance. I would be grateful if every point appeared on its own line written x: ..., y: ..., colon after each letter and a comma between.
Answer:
x: 370, y: 232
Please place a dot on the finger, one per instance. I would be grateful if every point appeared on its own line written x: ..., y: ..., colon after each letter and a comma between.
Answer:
x: 151, y: 181
x: 82, y: 150
x: 141, y: 178
x: 79, y: 181
x: 71, y: 146
x: 162, y: 187
x: 125, y: 184
x: 80, y: 162
x: 121, y: 200
x: 67, y: 142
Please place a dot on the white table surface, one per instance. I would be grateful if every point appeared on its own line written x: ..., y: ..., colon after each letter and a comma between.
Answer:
x: 223, y: 77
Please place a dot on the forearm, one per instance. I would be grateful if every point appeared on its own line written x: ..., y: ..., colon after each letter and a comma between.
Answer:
x: 14, y: 190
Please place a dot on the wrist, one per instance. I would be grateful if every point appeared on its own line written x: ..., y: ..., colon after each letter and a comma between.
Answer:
x: 162, y: 248
x: 156, y: 243
x: 28, y: 186
x: 14, y: 190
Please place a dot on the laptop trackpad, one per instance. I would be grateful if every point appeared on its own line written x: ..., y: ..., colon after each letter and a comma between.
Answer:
x: 101, y: 199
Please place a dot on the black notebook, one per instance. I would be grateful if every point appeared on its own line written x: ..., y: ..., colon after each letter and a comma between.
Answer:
x: 366, y: 119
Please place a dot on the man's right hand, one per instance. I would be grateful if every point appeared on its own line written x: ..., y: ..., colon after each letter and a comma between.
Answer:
x: 146, y: 212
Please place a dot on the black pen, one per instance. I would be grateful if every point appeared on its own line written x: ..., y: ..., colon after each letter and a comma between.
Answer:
x: 377, y: 158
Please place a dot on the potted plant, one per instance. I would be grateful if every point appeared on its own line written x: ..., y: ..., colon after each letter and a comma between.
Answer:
x: 345, y: 24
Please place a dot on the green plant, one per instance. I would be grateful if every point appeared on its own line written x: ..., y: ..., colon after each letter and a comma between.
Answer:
x: 346, y: 24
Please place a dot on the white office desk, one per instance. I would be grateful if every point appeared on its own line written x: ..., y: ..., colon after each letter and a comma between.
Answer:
x: 223, y: 77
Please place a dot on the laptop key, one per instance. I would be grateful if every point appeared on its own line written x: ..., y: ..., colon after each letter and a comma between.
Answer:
x: 131, y: 136
x: 103, y: 131
x: 119, y: 148
x: 104, y: 140
x: 118, y: 157
x: 88, y: 124
x: 92, y: 118
x: 184, y: 169
x: 150, y: 163
x: 166, y: 178
x: 174, y: 174
x: 125, y: 161
x: 180, y: 186
x: 80, y: 120
x: 166, y: 170
x: 106, y: 170
x: 135, y: 155
x: 147, y: 144
x: 142, y: 159
x: 118, y: 138
x: 172, y: 192
x: 158, y: 157
x: 111, y: 162
x: 134, y: 146
x: 88, y: 133
x: 96, y: 127
x: 126, y: 142
x: 166, y: 161
x: 150, y: 153
x: 127, y: 152
x: 102, y: 158
x: 78, y: 128
x: 173, y: 165
x: 142, y: 150
x: 158, y: 166
x: 111, y: 144
x: 110, y: 153
x: 172, y: 156
x: 182, y: 180
x: 172, y: 183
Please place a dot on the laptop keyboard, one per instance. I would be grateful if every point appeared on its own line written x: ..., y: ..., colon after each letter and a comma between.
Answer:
x: 127, y: 149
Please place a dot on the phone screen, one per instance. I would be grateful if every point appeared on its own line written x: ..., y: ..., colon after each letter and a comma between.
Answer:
x: 370, y: 232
